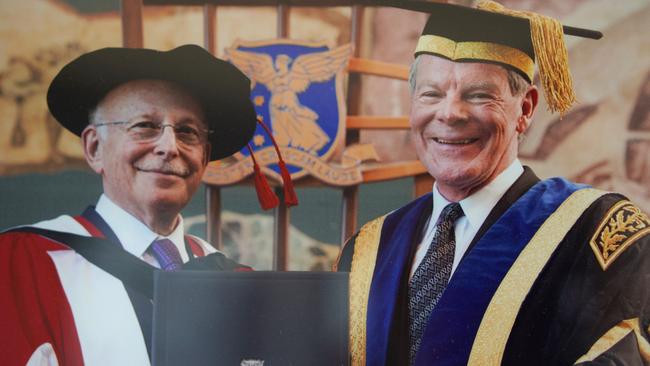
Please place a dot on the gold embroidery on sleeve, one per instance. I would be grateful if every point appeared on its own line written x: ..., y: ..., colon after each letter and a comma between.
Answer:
x: 624, y: 223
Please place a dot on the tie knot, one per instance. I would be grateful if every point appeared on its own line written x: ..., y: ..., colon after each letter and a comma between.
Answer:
x: 451, y: 212
x: 167, y: 255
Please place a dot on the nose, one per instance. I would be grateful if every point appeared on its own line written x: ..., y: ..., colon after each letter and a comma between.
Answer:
x: 452, y: 110
x: 166, y: 145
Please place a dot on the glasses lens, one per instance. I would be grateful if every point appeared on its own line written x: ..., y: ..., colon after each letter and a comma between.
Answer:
x: 188, y: 134
x: 146, y: 131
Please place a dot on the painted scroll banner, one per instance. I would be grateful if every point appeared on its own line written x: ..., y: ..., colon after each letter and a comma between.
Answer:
x: 347, y: 172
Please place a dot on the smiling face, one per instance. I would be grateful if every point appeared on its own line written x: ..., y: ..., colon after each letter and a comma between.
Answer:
x: 152, y: 180
x: 465, y: 121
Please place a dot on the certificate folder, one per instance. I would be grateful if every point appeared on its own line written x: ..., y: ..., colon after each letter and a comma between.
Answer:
x: 250, y: 318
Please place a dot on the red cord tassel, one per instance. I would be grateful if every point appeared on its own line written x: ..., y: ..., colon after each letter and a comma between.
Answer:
x: 290, y: 197
x: 265, y: 194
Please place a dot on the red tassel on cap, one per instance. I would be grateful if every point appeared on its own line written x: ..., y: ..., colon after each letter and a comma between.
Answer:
x: 290, y: 197
x: 265, y: 194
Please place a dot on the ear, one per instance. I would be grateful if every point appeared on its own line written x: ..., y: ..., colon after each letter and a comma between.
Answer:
x: 90, y: 141
x: 528, y: 107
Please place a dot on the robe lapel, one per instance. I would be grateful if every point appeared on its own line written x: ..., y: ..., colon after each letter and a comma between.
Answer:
x: 525, y: 181
x: 459, y: 312
x: 387, y: 292
x: 142, y: 305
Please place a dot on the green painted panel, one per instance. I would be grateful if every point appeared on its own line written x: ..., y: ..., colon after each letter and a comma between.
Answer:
x: 33, y: 197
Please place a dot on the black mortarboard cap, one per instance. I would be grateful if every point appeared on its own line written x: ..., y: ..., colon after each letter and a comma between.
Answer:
x: 494, y: 34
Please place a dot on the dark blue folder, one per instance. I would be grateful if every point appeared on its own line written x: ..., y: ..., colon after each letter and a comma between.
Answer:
x: 250, y: 318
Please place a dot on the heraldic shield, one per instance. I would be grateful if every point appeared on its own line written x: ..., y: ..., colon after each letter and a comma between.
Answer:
x: 297, y: 90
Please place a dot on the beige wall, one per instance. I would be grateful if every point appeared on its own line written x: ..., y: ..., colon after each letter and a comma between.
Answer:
x: 604, y: 141
x: 37, y: 37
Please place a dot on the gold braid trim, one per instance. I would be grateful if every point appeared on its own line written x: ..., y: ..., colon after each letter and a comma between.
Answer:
x: 363, y: 267
x: 547, y: 36
x: 477, y: 50
x: 623, y: 224
x: 615, y: 335
x: 500, y: 315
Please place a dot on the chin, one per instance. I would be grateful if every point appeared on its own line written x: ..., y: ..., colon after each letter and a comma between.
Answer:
x: 168, y: 200
x: 460, y: 175
x: 452, y: 171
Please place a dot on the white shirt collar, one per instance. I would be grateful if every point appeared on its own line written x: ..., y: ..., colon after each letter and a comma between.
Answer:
x: 477, y: 206
x: 439, y: 203
x: 134, y: 235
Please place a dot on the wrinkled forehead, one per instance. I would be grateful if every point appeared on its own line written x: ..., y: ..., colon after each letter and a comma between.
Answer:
x: 153, y: 98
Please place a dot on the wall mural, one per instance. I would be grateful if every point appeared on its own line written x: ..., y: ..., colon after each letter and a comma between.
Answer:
x: 32, y: 139
x: 603, y: 141
x: 30, y: 56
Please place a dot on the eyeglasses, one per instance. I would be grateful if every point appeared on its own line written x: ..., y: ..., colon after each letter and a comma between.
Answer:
x: 148, y: 131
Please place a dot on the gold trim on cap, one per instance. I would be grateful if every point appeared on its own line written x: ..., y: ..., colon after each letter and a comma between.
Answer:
x: 485, y: 51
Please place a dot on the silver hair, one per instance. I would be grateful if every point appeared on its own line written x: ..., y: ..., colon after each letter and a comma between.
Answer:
x: 516, y: 82
x: 412, y: 72
x: 93, y: 118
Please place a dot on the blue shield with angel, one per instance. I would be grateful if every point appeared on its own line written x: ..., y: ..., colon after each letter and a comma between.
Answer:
x: 297, y: 89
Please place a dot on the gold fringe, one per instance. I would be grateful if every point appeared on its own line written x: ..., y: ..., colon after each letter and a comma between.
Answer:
x: 548, y: 42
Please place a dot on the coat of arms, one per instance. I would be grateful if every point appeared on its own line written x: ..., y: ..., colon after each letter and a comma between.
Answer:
x: 297, y: 90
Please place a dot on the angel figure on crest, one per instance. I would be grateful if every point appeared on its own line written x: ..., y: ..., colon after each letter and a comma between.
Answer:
x: 294, y: 124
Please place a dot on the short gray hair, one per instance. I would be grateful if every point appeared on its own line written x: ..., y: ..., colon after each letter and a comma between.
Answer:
x: 412, y: 72
x: 516, y: 82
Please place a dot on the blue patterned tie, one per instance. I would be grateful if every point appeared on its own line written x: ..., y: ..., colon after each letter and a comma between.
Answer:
x: 432, y: 275
x: 166, y: 254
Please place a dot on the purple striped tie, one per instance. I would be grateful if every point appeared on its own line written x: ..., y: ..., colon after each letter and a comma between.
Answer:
x: 166, y: 254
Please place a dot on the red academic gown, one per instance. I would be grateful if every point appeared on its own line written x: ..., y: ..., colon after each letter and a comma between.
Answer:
x: 57, y: 307
x: 37, y: 322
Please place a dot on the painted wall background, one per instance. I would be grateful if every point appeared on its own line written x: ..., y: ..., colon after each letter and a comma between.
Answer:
x: 604, y: 141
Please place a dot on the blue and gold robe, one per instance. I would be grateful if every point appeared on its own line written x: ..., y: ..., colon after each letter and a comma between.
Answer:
x: 558, y: 274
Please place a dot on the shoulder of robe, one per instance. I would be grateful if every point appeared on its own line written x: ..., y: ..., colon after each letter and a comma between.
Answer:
x: 344, y: 261
x: 620, y: 228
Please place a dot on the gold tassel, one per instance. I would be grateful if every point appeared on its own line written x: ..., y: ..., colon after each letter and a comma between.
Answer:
x: 552, y: 57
